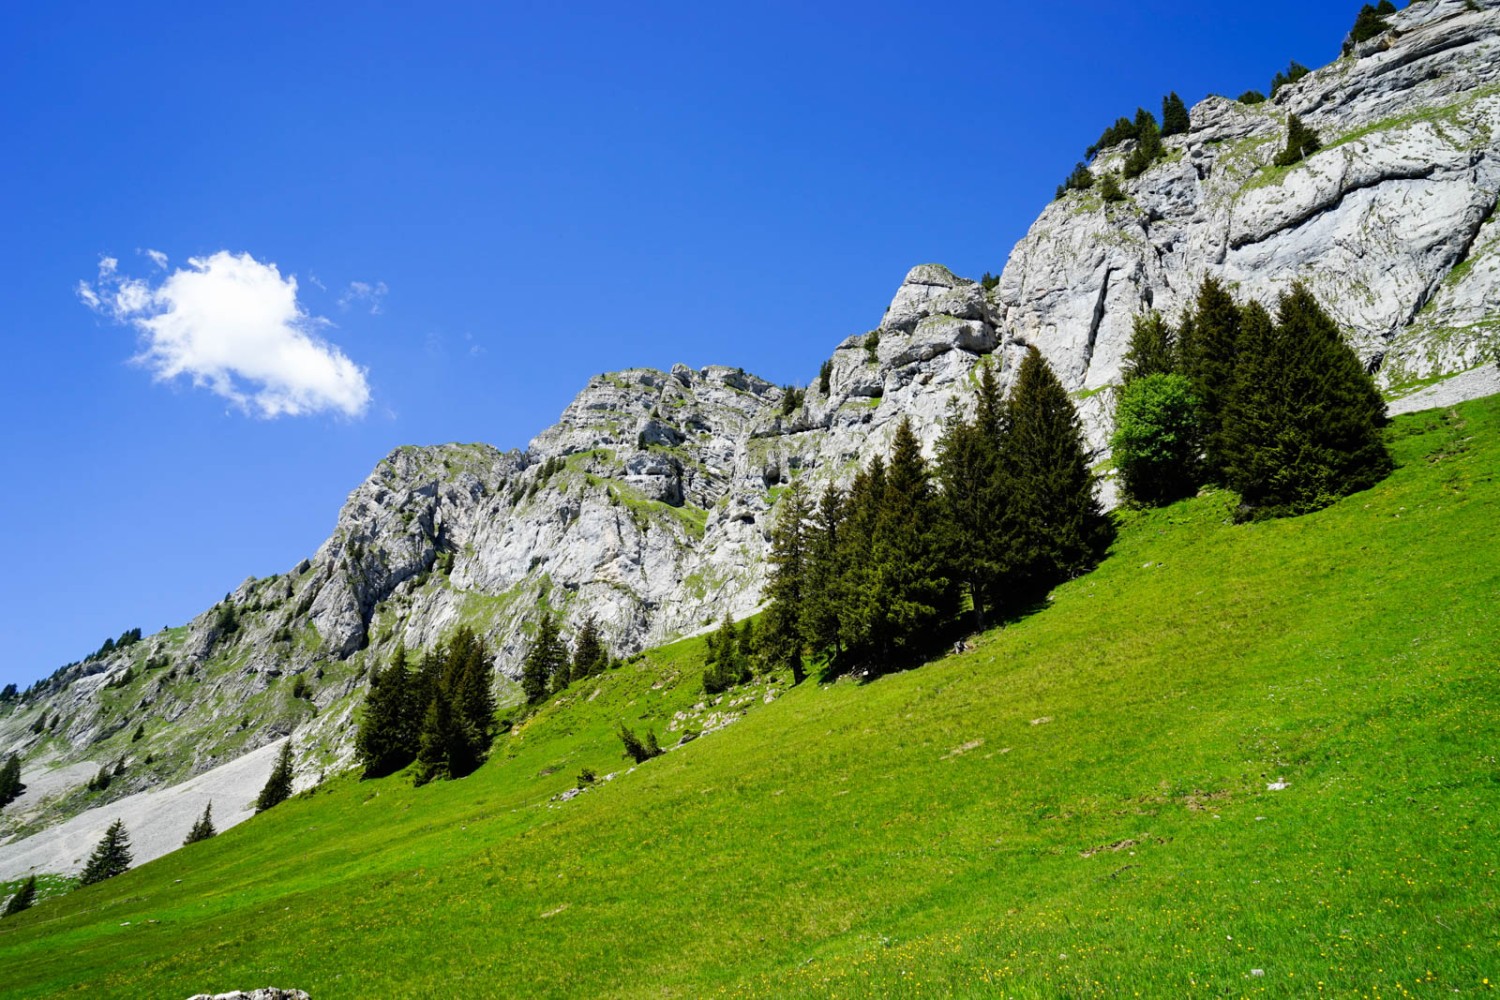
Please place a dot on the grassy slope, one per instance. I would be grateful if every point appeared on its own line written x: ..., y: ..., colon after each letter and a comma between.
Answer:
x: 1108, y: 829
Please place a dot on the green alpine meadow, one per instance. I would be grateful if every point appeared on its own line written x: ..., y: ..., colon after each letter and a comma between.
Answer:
x: 1244, y: 759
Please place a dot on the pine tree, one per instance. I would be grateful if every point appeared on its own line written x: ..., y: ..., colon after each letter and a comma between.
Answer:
x: 1208, y: 348
x: 1153, y: 348
x: 1065, y: 530
x: 110, y: 858
x: 440, y: 738
x: 473, y: 699
x: 1370, y: 23
x: 1148, y: 147
x: 10, y: 780
x: 821, y: 596
x: 278, y: 787
x: 1174, y: 116
x: 728, y: 665
x: 858, y: 583
x: 975, y: 496
x: 204, y: 828
x: 1303, y: 425
x: 22, y: 900
x: 589, y: 655
x: 917, y: 587
x: 387, y: 738
x: 546, y: 659
x: 1301, y: 142
x: 783, y: 635
x: 1110, y: 190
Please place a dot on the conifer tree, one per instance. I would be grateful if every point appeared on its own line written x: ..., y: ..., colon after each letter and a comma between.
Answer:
x: 1208, y: 348
x: 546, y: 658
x: 589, y: 653
x: 1303, y: 425
x: 821, y: 597
x: 278, y: 787
x: 473, y: 699
x: 785, y: 629
x: 1153, y: 348
x: 22, y: 900
x: 858, y: 595
x: 915, y: 588
x: 439, y: 743
x: 204, y: 828
x: 10, y: 780
x: 387, y: 738
x: 110, y: 858
x: 1065, y: 530
x: 1148, y: 148
x: 728, y: 665
x: 1301, y: 142
x: 975, y: 496
x: 1174, y: 115
x: 1110, y: 190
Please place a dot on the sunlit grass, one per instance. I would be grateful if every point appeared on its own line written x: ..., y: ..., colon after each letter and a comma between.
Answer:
x: 1080, y: 807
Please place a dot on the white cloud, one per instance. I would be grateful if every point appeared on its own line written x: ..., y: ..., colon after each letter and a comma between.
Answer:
x: 157, y: 257
x: 361, y: 293
x: 233, y: 325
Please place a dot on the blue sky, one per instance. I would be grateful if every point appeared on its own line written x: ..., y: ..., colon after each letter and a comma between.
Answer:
x: 481, y: 205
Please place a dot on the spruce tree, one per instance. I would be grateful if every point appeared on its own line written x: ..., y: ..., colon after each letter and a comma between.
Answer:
x: 1065, y: 530
x: 821, y: 600
x: 589, y: 655
x: 1110, y: 190
x: 10, y: 780
x: 387, y: 738
x: 1148, y: 148
x: 913, y: 588
x: 1208, y: 348
x: 278, y: 787
x: 22, y: 900
x: 439, y: 739
x: 204, y: 828
x: 471, y: 673
x: 1153, y: 348
x: 728, y: 665
x: 1174, y: 115
x: 975, y: 496
x: 858, y: 585
x: 782, y: 637
x: 1301, y: 142
x: 546, y: 658
x: 110, y: 858
x: 1303, y: 425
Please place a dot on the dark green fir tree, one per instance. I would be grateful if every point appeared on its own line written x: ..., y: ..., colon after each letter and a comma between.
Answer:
x: 546, y: 658
x: 23, y: 899
x: 10, y: 780
x: 1153, y: 347
x: 1303, y: 425
x: 110, y: 858
x: 589, y: 654
x: 387, y: 738
x: 1054, y: 495
x: 278, y: 787
x: 203, y: 829
x: 781, y: 640
x: 1209, y: 345
x: 1174, y: 115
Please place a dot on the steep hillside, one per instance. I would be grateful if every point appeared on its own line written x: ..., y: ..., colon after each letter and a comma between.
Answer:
x: 649, y: 502
x: 1246, y: 759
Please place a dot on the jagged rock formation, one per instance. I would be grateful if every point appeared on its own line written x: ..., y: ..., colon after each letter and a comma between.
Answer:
x: 1390, y: 223
x: 648, y: 503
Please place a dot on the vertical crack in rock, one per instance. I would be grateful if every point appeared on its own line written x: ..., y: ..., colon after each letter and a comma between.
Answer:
x: 1094, y: 324
x: 1464, y: 252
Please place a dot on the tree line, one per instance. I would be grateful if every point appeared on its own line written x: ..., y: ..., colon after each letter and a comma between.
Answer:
x: 880, y: 573
x: 439, y: 715
x: 1278, y: 409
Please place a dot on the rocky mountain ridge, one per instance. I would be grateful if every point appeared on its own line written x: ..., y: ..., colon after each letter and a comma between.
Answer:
x: 649, y: 503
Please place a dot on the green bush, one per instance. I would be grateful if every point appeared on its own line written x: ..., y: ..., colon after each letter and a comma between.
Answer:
x: 1156, y: 439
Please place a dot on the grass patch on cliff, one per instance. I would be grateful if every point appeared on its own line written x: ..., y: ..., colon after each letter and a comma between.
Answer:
x: 1233, y: 747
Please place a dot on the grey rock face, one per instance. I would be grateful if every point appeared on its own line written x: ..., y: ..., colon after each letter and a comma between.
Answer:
x: 1388, y: 223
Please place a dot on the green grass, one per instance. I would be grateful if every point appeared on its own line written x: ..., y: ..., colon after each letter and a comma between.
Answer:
x: 1079, y: 807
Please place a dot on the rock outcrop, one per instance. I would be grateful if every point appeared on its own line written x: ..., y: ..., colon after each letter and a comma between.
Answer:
x: 649, y: 503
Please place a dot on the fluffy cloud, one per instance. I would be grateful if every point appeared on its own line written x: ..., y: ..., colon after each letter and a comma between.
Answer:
x: 232, y: 324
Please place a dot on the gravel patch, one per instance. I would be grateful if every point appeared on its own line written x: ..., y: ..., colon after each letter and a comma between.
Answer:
x: 156, y: 821
x: 1476, y: 383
